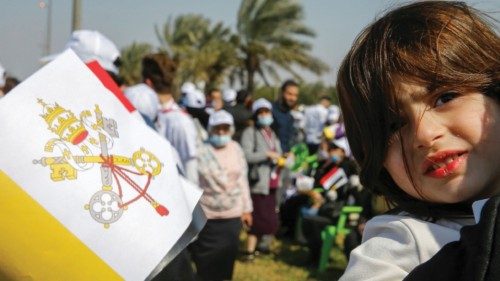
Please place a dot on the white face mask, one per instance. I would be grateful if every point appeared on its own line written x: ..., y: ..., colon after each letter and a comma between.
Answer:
x: 266, y: 120
x: 219, y: 140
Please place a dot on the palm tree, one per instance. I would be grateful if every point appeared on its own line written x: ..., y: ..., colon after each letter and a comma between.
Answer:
x: 271, y: 36
x: 131, y: 58
x: 203, y: 52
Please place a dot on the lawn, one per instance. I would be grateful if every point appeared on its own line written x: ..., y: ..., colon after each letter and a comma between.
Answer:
x: 289, y: 263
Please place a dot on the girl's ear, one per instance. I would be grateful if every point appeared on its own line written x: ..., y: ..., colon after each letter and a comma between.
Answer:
x: 148, y: 82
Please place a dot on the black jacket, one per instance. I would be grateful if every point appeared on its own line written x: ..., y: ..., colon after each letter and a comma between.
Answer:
x: 476, y: 256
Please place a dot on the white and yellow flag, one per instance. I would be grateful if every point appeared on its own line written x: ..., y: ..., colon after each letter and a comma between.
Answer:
x: 87, y: 191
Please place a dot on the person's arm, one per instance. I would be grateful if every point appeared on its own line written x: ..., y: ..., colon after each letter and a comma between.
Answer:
x: 389, y: 252
x: 245, y: 189
x: 248, y: 142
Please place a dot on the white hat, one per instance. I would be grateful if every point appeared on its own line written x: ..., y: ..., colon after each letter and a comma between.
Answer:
x: 194, y: 98
x: 344, y: 144
x: 91, y: 45
x: 144, y: 99
x: 187, y: 87
x: 261, y: 103
x: 2, y: 76
x: 229, y: 95
x: 220, y: 117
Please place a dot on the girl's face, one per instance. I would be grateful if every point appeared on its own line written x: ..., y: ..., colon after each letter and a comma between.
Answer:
x: 451, y: 143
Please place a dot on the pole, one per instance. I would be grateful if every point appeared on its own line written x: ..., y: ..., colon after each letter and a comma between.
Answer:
x: 76, y: 20
x: 49, y: 26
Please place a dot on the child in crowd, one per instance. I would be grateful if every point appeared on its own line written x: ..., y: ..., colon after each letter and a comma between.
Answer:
x: 419, y: 92
x: 336, y: 187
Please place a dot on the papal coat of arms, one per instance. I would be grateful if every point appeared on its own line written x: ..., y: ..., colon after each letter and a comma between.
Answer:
x: 83, y: 142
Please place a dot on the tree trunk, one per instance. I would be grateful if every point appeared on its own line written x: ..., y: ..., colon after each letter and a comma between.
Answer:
x: 250, y: 81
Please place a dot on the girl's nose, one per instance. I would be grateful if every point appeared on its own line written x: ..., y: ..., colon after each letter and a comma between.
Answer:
x: 428, y: 130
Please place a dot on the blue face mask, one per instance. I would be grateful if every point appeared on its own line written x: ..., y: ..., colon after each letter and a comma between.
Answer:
x: 265, y: 120
x: 335, y: 159
x: 219, y: 141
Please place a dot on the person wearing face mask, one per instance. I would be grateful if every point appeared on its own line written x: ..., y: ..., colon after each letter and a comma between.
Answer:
x: 336, y: 178
x: 226, y: 200
x: 263, y: 152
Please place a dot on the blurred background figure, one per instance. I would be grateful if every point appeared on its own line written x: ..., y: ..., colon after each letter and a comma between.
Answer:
x: 158, y: 72
x: 194, y: 101
x: 91, y: 45
x: 338, y: 182
x: 214, y: 100
x: 229, y: 97
x: 225, y: 201
x: 263, y: 152
x: 177, y: 126
x: 333, y: 114
x: 315, y: 119
x: 283, y: 119
x: 144, y: 99
x: 10, y: 83
x: 241, y: 113
x: 3, y: 76
x: 7, y: 82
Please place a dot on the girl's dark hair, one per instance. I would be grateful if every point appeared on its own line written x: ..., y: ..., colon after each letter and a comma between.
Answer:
x: 433, y: 43
x: 160, y: 70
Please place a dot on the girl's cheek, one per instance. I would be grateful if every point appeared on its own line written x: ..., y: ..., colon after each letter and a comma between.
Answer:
x: 394, y: 164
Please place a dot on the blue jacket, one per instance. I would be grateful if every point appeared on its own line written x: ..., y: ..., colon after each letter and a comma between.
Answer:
x: 283, y: 126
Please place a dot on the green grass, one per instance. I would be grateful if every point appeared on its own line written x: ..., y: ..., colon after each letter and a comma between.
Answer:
x: 287, y: 264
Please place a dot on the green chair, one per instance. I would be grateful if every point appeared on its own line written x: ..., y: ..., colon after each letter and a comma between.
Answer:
x: 335, y: 234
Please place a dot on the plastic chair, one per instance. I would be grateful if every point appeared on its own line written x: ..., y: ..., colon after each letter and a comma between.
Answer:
x: 336, y: 233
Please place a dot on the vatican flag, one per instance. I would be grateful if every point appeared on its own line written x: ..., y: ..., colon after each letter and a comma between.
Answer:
x: 87, y: 191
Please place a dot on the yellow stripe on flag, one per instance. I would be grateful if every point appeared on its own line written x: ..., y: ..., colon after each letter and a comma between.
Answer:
x: 36, y: 246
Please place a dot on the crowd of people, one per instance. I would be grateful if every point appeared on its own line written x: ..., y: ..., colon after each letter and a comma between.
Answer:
x: 277, y: 169
x: 240, y: 152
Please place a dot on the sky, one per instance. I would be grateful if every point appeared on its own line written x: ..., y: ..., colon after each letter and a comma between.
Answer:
x: 23, y: 25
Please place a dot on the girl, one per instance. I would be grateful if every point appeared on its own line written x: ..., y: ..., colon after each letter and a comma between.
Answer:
x: 262, y: 150
x: 419, y: 92
x: 225, y: 201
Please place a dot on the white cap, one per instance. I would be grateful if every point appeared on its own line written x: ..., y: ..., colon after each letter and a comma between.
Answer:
x: 220, y: 117
x: 144, y: 100
x: 91, y: 45
x: 261, y: 103
x: 187, y: 87
x: 229, y: 95
x: 193, y: 97
x: 2, y: 76
x: 344, y: 144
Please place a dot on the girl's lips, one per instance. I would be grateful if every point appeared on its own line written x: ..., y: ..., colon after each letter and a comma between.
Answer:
x: 444, y: 163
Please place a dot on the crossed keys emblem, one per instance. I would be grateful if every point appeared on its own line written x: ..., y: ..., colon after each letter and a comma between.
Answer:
x: 76, y: 140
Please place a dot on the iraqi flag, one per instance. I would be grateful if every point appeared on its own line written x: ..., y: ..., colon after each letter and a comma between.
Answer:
x: 87, y: 191
x: 335, y: 178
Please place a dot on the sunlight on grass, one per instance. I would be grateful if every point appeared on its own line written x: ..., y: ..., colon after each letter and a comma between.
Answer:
x: 288, y: 263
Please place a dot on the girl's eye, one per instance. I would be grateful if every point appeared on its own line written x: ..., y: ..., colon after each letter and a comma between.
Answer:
x: 445, y: 97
